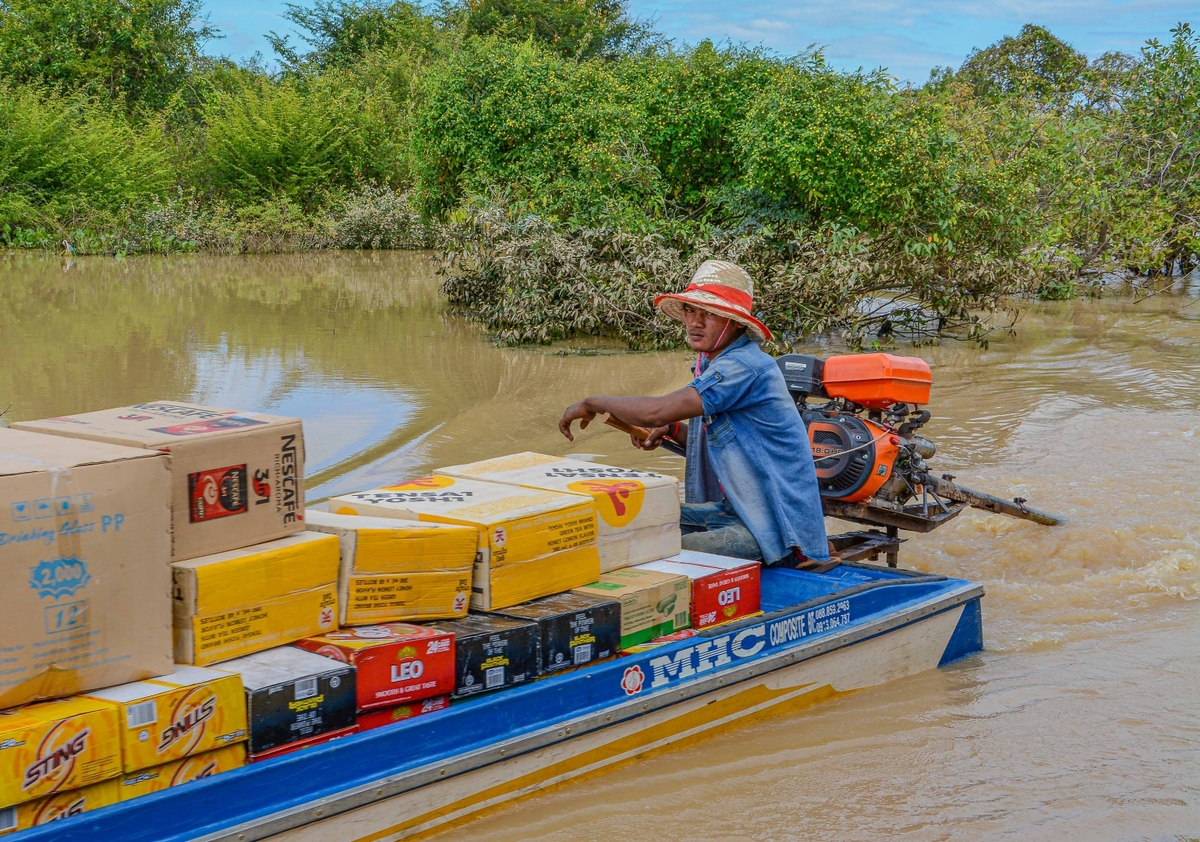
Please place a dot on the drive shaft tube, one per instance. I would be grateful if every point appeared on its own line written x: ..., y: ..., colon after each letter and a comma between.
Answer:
x: 979, y: 500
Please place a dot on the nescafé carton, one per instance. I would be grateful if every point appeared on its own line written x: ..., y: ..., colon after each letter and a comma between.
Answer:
x: 530, y: 543
x: 491, y: 652
x: 653, y: 603
x: 237, y: 478
x: 393, y: 570
x: 241, y: 601
x: 192, y: 710
x: 183, y: 771
x: 60, y: 805
x: 57, y: 746
x: 294, y: 695
x: 85, y: 546
x: 637, y: 511
x: 394, y: 662
x: 723, y: 588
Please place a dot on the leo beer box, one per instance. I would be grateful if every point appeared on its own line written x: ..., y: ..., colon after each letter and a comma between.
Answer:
x: 182, y: 771
x: 294, y: 695
x: 237, y: 478
x: 308, y: 742
x: 723, y: 588
x: 85, y: 550
x: 187, y: 712
x: 60, y: 805
x: 491, y: 652
x: 57, y: 746
x: 399, y: 570
x: 638, y: 511
x: 399, y: 713
x: 530, y: 543
x: 394, y: 662
x: 573, y: 629
x: 242, y: 601
x: 652, y: 603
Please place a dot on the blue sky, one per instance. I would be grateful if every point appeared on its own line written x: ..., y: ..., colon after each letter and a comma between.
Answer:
x: 908, y: 38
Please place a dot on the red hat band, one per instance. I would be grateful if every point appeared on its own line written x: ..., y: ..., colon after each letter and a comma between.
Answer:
x: 735, y: 296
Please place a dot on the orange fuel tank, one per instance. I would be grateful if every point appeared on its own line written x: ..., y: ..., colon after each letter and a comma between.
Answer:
x: 876, y: 381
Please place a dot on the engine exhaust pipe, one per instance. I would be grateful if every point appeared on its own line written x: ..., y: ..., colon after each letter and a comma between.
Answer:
x: 943, y: 487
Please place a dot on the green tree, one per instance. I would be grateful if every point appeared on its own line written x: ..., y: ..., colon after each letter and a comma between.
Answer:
x: 1035, y: 63
x: 137, y: 51
x: 579, y: 29
x: 341, y: 32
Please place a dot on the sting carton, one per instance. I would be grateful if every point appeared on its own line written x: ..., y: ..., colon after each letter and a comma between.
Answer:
x: 530, y: 543
x: 237, y: 478
x: 293, y: 695
x: 182, y: 771
x: 394, y: 662
x: 399, y: 713
x: 85, y: 547
x: 57, y: 746
x: 723, y: 588
x: 187, y: 712
x: 400, y: 570
x: 491, y: 652
x: 60, y: 805
x: 573, y: 629
x: 242, y: 601
x: 652, y: 603
x: 638, y: 511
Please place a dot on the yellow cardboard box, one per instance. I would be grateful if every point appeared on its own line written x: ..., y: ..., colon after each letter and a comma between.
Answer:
x: 237, y: 478
x: 242, y: 601
x: 60, y: 805
x: 395, y: 570
x: 637, y: 511
x: 187, y: 712
x: 183, y: 771
x: 57, y: 746
x: 530, y: 543
x: 85, y: 549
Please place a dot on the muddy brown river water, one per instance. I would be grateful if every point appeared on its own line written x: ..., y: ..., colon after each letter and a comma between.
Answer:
x: 1080, y: 721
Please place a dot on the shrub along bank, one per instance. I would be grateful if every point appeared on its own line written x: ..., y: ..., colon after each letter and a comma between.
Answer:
x: 569, y: 164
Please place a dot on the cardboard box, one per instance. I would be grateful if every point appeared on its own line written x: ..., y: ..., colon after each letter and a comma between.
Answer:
x: 530, y: 543
x: 393, y: 570
x: 682, y: 634
x: 85, y: 548
x: 60, y: 805
x: 241, y: 601
x: 182, y: 771
x: 723, y: 588
x: 237, y: 478
x: 637, y: 511
x: 187, y: 712
x: 303, y: 744
x: 394, y: 662
x: 57, y: 746
x: 573, y: 629
x: 399, y: 713
x: 652, y: 603
x: 491, y: 652
x: 294, y: 695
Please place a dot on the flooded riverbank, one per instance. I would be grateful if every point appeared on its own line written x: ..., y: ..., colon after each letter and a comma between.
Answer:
x: 1079, y: 722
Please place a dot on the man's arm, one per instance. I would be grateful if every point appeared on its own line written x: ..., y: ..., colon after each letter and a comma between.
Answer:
x: 642, y: 411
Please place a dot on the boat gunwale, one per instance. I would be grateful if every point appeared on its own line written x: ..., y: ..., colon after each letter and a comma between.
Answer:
x: 395, y: 785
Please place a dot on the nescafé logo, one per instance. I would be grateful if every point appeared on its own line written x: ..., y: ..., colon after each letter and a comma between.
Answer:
x: 60, y: 577
x: 617, y: 500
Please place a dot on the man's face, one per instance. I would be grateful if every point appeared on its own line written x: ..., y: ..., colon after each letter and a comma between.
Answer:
x: 704, y: 330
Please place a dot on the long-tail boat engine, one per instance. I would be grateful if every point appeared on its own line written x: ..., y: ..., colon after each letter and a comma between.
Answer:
x: 872, y: 464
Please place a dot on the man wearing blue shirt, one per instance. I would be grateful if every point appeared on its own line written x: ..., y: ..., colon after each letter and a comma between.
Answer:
x: 751, y: 485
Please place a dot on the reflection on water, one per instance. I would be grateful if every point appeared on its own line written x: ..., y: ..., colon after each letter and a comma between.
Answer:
x: 1080, y: 721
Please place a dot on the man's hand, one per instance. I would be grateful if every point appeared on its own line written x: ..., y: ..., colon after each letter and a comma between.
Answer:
x: 652, y: 441
x: 576, y: 411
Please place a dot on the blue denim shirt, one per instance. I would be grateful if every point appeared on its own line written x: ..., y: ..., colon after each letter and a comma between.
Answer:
x: 759, y: 447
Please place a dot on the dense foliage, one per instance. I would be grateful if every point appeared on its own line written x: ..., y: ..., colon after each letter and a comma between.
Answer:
x: 569, y: 163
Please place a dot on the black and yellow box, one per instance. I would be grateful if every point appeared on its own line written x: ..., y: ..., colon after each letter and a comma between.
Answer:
x: 242, y: 601
x: 491, y: 652
x: 573, y: 629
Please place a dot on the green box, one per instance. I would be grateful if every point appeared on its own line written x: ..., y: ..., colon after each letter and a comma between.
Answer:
x: 652, y: 603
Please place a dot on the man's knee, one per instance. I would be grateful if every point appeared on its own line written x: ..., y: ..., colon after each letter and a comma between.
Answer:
x: 731, y: 541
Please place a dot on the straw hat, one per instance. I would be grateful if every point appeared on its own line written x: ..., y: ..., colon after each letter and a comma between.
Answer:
x: 721, y: 288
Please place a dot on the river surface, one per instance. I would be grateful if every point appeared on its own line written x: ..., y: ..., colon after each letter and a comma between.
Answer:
x: 1081, y: 721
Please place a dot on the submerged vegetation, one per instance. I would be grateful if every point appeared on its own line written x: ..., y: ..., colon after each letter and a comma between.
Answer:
x: 569, y: 163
